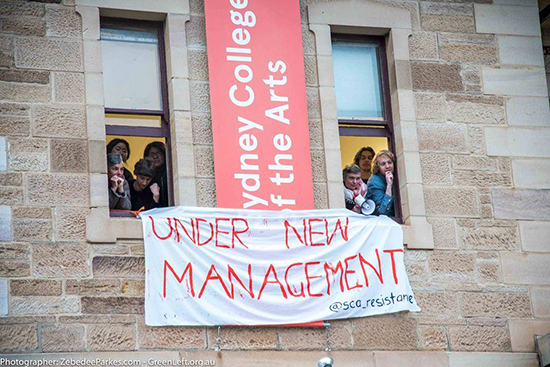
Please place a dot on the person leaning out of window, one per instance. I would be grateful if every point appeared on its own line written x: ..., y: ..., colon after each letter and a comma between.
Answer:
x: 380, y: 185
x: 363, y: 159
x: 353, y: 186
x: 119, y: 191
x: 121, y: 147
x: 144, y: 194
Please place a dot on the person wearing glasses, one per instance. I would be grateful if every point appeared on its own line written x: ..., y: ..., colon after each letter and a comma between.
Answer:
x: 157, y: 153
x: 380, y: 185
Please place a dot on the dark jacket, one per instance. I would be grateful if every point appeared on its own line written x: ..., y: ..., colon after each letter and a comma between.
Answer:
x: 142, y: 198
x: 118, y: 200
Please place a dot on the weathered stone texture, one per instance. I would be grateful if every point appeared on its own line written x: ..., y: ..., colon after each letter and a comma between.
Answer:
x: 14, y: 109
x: 200, y: 97
x: 313, y: 103
x: 118, y: 266
x: 479, y: 49
x: 339, y: 334
x: 70, y: 156
x: 195, y: 32
x: 474, y: 163
x: 25, y: 92
x: 59, y: 122
x: 243, y: 338
x: 310, y: 67
x: 32, y: 212
x: 452, y: 265
x: 436, y: 77
x: 60, y: 260
x: 9, y: 269
x: 25, y: 76
x: 23, y: 26
x: 171, y: 337
x: 206, y: 193
x: 489, y: 238
x: 448, y: 23
x: 11, y: 195
x: 482, y: 179
x: 11, y: 179
x: 70, y: 224
x: 476, y: 137
x: 133, y: 288
x: 423, y: 45
x: 64, y: 338
x: 32, y: 229
x: 437, y: 303
x: 63, y: 22
x: 40, y: 305
x: 436, y: 169
x: 35, y: 287
x: 93, y: 287
x: 202, y: 128
x: 300, y: 339
x: 318, y: 166
x: 451, y: 201
x: 14, y: 251
x: 18, y: 338
x: 475, y: 113
x: 13, y: 125
x: 495, y: 304
x: 479, y: 338
x: 28, y: 154
x: 204, y: 161
x: 433, y: 338
x: 315, y: 134
x: 198, y: 64
x: 111, y: 337
x: 442, y: 137
x: 320, y: 195
x: 98, y: 319
x: 430, y: 107
x: 385, y: 332
x: 444, y: 230
x: 69, y: 87
x: 49, y: 54
x: 20, y: 8
x: 60, y: 189
x: 112, y: 305
x: 488, y: 271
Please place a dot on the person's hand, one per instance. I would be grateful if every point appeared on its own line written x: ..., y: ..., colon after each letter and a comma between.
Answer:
x: 117, y: 184
x: 389, y: 178
x: 156, y: 192
x: 356, y: 209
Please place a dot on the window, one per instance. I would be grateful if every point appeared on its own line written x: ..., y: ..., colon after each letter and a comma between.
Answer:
x: 135, y: 92
x: 363, y: 98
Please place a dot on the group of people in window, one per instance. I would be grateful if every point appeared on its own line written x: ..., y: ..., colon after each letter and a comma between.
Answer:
x: 148, y: 189
x: 371, y: 176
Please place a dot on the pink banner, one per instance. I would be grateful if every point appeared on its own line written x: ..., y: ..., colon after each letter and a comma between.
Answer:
x: 258, y: 102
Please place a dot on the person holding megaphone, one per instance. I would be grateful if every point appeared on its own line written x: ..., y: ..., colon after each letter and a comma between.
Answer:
x: 355, y: 191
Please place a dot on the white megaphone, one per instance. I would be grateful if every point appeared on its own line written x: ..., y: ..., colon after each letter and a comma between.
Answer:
x: 367, y: 205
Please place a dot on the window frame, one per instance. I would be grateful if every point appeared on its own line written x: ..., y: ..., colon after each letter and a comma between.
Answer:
x: 362, y: 127
x: 164, y: 130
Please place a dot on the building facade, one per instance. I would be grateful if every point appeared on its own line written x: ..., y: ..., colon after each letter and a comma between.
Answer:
x: 466, y: 98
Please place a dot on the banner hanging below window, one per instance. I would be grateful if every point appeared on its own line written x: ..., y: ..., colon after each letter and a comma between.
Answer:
x: 209, y: 266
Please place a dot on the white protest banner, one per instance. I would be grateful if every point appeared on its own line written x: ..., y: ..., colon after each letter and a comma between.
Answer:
x: 212, y: 266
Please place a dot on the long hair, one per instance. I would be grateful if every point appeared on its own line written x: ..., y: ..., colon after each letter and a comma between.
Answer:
x: 156, y: 144
x: 375, y: 169
x: 357, y: 157
x: 114, y: 142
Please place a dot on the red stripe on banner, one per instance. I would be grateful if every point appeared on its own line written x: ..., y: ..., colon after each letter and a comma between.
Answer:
x: 258, y: 104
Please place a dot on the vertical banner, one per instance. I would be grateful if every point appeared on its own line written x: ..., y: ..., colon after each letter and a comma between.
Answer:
x: 258, y: 104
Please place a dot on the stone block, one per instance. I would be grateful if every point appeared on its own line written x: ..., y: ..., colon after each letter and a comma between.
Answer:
x: 468, y: 52
x: 532, y: 173
x: 522, y: 333
x: 525, y: 268
x: 23, y: 26
x: 315, y: 134
x: 118, y: 266
x: 14, y: 126
x: 495, y: 304
x: 474, y: 163
x: 18, y: 338
x: 437, y: 303
x: 442, y: 137
x: 11, y: 179
x: 475, y: 113
x: 436, y: 169
x: 465, y: 359
x: 98, y: 319
x: 302, y: 339
x: 133, y: 288
x: 433, y: 338
x: 14, y: 269
x: 479, y: 338
x: 32, y: 229
x: 339, y: 334
x: 5, y: 223
x: 63, y: 338
x: 28, y: 154
x: 243, y: 338
x: 423, y: 46
x: 3, y: 154
x: 476, y: 136
x: 59, y: 122
x: 204, y: 161
x: 313, y: 103
x: 171, y: 337
x: 534, y: 236
x: 63, y: 22
x: 310, y: 68
x: 35, y: 287
x: 448, y: 23
x: 32, y: 212
x: 320, y: 196
x: 70, y: 156
x: 70, y: 224
x: 4, y: 295
x: 111, y: 337
x: 200, y: 97
x: 318, y: 165
x: 520, y: 51
x: 521, y: 204
x: 69, y: 87
x: 446, y: 9
x: 11, y: 196
x: 460, y: 202
x: 206, y: 193
x: 411, y: 359
x: 514, y: 82
x: 488, y: 271
x: 25, y: 76
x: 112, y: 305
x: 444, y: 232
x: 93, y: 287
x: 60, y: 260
x: 481, y: 179
x: 202, y: 128
x: 503, y: 19
x: 436, y: 77
x: 41, y: 305
x: 198, y: 64
x: 20, y: 8
x: 489, y: 238
x: 48, y: 54
x: 527, y: 111
x: 195, y: 31
x: 452, y: 265
x: 385, y: 333
x: 61, y: 189
x: 517, y: 142
x: 14, y: 251
x: 540, y: 298
x: 20, y: 92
